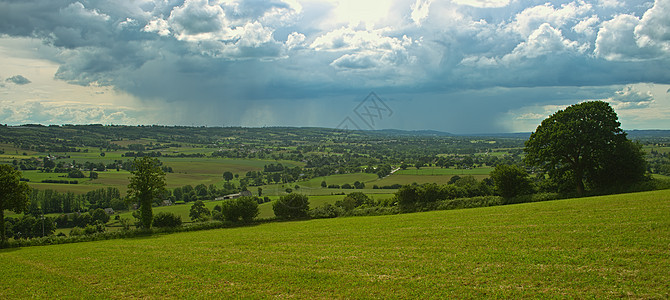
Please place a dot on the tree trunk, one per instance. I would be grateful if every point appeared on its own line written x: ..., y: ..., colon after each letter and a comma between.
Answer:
x: 147, y: 214
x: 3, y: 233
x: 579, y: 180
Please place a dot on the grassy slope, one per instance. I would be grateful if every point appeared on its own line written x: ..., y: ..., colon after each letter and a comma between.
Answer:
x: 615, y: 246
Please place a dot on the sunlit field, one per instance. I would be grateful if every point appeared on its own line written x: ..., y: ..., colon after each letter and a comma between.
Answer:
x: 599, y: 247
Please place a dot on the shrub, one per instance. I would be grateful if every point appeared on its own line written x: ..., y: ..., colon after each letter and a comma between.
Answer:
x: 291, y: 206
x: 95, y: 228
x: 77, y: 231
x: 354, y: 200
x: 100, y: 215
x: 325, y: 211
x: 482, y: 201
x: 76, y: 173
x: 166, y: 219
x: 199, y: 212
x: 511, y: 181
x: 240, y: 209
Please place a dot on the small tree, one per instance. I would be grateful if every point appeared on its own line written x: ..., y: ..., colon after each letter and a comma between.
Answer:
x: 228, y: 176
x: 291, y: 206
x: 166, y: 219
x: 511, y: 181
x: 240, y: 209
x: 353, y: 200
x: 146, y: 183
x: 199, y: 212
x: 323, y: 184
x: 13, y: 195
x: 100, y: 215
x: 76, y: 173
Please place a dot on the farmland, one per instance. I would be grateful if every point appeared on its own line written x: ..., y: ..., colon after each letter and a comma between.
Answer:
x: 598, y: 247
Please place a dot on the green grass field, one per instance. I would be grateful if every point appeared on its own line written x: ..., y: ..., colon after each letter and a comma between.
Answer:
x: 409, y: 179
x: 599, y: 247
x: 445, y: 171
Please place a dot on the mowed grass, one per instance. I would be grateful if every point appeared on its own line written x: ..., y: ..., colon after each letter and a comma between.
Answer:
x: 599, y: 247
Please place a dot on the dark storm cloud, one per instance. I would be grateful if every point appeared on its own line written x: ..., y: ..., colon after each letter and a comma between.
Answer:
x: 236, y: 54
x: 18, y: 79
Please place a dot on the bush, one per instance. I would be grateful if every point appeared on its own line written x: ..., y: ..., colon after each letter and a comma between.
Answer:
x: 354, y: 200
x: 199, y: 212
x: 240, y: 209
x: 166, y: 219
x: 325, y: 211
x: 511, y: 181
x: 482, y: 201
x: 95, y: 228
x: 77, y: 231
x: 291, y: 206
x: 372, y: 211
x: 76, y: 173
x: 100, y: 215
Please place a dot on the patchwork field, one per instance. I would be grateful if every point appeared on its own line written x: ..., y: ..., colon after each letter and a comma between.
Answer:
x: 600, y: 247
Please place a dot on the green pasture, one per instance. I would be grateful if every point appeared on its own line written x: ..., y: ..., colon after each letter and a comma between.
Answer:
x: 420, y: 179
x: 265, y: 209
x: 659, y: 149
x: 181, y: 210
x: 186, y: 171
x: 599, y: 247
x: 445, y: 171
x: 313, y: 186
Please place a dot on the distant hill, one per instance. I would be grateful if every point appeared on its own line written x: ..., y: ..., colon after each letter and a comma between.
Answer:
x: 398, y: 132
x: 656, y: 133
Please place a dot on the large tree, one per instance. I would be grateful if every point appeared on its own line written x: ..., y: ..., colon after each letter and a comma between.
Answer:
x: 579, y: 145
x: 146, y: 184
x: 13, y: 195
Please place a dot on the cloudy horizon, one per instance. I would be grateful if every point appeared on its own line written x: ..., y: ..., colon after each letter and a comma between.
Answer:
x: 460, y: 66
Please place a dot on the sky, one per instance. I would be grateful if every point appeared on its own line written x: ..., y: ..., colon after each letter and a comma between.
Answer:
x: 460, y: 66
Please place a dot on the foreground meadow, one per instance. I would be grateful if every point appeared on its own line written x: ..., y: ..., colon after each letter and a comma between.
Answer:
x: 612, y: 246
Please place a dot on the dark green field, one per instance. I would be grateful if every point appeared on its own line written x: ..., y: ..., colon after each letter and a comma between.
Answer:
x: 600, y: 247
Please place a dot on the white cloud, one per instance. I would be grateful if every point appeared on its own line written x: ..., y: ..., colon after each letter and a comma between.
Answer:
x: 629, y: 98
x: 588, y: 27
x: 483, y: 3
x: 543, y: 41
x: 610, y: 3
x: 654, y: 27
x: 532, y: 18
x: 159, y: 26
x: 420, y: 11
x: 364, y: 49
x: 64, y: 113
x: 616, y: 41
x: 295, y: 41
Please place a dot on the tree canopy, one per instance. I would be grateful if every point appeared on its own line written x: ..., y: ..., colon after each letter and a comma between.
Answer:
x: 13, y: 195
x: 146, y: 184
x: 511, y: 181
x: 291, y: 206
x: 583, y: 145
